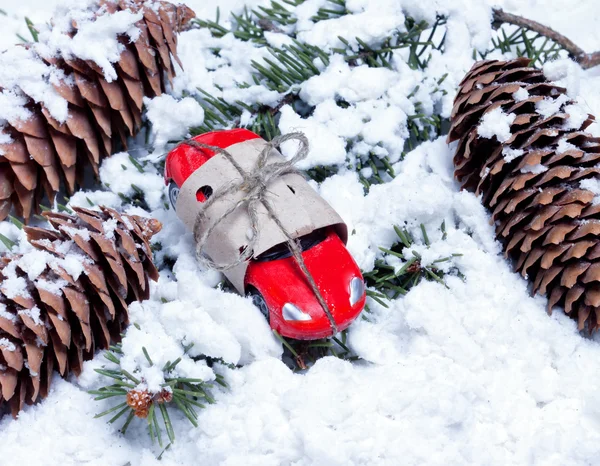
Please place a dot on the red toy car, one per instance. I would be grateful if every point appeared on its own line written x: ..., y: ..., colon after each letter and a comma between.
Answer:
x: 276, y: 283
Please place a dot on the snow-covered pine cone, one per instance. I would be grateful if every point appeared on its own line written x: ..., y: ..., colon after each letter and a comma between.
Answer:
x: 68, y: 296
x: 523, y: 147
x: 45, y: 141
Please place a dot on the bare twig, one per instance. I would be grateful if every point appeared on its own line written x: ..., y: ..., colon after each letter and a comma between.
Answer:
x: 585, y: 60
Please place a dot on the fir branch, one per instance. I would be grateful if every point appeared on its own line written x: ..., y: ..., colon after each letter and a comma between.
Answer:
x: 290, y: 65
x: 388, y: 282
x: 335, y: 10
x: 182, y: 393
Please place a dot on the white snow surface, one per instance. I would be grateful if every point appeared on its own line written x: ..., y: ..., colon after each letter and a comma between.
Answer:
x: 472, y: 373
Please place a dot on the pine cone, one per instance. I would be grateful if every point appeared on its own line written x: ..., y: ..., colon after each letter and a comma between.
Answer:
x: 139, y: 401
x: 68, y: 297
x: 38, y: 151
x: 534, y: 179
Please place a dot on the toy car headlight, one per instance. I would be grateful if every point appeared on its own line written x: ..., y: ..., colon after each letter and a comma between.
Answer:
x: 291, y: 312
x: 357, y: 289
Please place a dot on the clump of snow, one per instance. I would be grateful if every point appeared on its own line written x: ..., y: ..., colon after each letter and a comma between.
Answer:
x: 535, y: 169
x: 564, y: 72
x: 12, y: 106
x: 549, y: 106
x: 593, y: 185
x: 93, y: 199
x: 120, y: 174
x: 73, y: 265
x: 14, y: 285
x: 496, y: 123
x: 171, y: 119
x: 564, y: 145
x: 33, y: 314
x: 34, y: 263
x: 326, y: 148
x: 54, y: 286
x: 577, y: 116
x: 109, y: 226
x: 509, y: 154
x: 21, y: 70
x: 7, y: 344
x: 5, y: 314
x: 521, y: 94
x: 351, y: 84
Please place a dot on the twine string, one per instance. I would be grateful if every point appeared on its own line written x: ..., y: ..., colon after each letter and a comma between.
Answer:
x: 254, y: 184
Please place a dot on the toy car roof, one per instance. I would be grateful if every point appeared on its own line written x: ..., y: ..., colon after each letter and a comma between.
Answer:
x: 183, y: 160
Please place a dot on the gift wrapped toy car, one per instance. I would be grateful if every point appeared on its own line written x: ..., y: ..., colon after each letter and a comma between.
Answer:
x: 271, y: 276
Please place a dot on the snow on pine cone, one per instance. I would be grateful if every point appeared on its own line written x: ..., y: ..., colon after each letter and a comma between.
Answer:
x: 59, y: 113
x: 67, y: 296
x: 522, y: 146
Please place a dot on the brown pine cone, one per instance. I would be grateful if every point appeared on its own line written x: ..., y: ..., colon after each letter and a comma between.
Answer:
x: 139, y: 401
x: 38, y: 152
x: 534, y: 178
x: 68, y: 297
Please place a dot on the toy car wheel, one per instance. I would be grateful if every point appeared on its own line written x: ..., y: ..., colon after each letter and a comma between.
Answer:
x: 173, y: 193
x: 259, y: 302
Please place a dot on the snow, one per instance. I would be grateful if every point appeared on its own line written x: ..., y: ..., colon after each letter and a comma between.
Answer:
x: 33, y: 314
x: 509, y: 154
x: 183, y: 114
x: 577, y: 115
x: 566, y: 73
x: 120, y: 173
x: 7, y: 344
x: 472, y: 373
x: 593, y: 185
x: 521, y: 94
x: 496, y: 123
x: 549, y: 106
x: 535, y: 169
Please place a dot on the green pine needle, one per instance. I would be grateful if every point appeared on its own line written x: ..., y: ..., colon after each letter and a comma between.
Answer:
x: 114, y: 408
x: 119, y: 414
x: 147, y: 356
x: 16, y: 222
x: 7, y: 242
x: 167, y: 421
x: 127, y: 422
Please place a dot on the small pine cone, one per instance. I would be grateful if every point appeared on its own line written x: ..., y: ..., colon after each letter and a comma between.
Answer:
x: 534, y: 180
x: 75, y: 114
x: 165, y: 396
x: 68, y: 296
x: 139, y: 401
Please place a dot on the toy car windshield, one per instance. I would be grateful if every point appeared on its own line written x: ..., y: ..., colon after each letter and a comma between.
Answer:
x: 281, y: 251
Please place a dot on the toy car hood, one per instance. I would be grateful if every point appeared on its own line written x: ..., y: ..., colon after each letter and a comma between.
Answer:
x: 299, y: 208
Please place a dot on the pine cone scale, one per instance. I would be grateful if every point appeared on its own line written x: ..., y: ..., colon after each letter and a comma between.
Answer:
x: 8, y: 380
